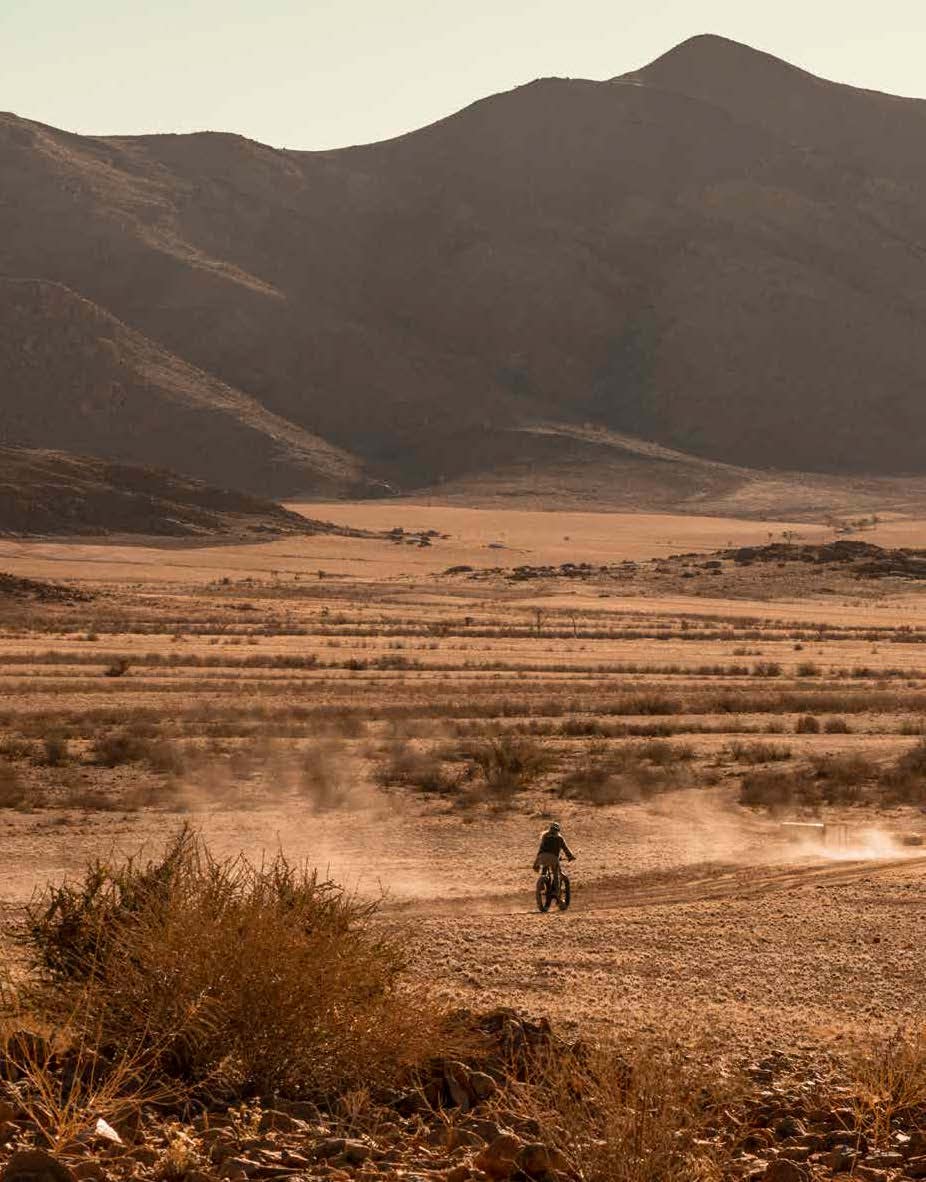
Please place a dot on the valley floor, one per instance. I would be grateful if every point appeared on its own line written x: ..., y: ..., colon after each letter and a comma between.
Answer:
x: 360, y: 721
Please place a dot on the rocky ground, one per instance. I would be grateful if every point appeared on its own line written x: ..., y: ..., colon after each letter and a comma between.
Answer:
x: 784, y: 1118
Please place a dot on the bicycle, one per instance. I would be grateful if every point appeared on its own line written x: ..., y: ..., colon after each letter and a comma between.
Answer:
x: 547, y: 893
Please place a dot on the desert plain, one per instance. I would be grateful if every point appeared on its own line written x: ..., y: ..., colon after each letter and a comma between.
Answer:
x: 407, y: 710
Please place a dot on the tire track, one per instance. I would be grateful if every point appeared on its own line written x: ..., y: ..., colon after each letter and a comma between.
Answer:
x: 702, y: 883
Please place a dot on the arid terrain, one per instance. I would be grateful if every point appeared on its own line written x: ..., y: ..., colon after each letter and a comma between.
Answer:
x: 339, y: 697
x: 726, y: 716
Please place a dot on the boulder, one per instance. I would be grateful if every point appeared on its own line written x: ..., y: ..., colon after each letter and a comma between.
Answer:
x: 783, y: 1170
x: 498, y: 1159
x: 35, y: 1165
x: 537, y: 1160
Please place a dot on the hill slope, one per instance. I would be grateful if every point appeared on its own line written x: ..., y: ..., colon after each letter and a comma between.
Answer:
x: 45, y: 492
x: 719, y: 253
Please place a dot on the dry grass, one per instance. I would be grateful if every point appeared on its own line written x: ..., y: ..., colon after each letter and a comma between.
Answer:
x: 888, y: 1084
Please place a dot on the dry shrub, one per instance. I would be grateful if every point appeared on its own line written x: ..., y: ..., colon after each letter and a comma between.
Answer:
x: 15, y: 791
x: 777, y: 790
x: 624, y: 774
x: 508, y: 763
x: 888, y: 1084
x: 234, y: 977
x: 118, y: 668
x: 759, y: 752
x: 66, y: 1081
x: 643, y: 1117
x: 12, y: 789
x: 842, y: 776
x: 807, y: 724
x: 837, y: 726
x: 12, y: 748
x: 55, y: 751
x: 411, y: 767
x: 118, y: 748
x: 905, y: 781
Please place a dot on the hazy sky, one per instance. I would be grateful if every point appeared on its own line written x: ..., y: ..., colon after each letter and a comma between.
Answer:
x: 323, y: 73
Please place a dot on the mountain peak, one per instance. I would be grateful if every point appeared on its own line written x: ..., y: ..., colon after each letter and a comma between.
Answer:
x: 710, y: 57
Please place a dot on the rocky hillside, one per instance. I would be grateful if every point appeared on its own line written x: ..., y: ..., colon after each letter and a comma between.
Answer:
x: 718, y: 253
x: 46, y: 492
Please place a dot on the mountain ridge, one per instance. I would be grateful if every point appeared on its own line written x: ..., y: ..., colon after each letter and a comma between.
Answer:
x: 719, y: 252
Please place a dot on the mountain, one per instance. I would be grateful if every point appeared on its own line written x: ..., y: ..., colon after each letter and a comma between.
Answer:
x: 719, y: 253
x: 47, y: 492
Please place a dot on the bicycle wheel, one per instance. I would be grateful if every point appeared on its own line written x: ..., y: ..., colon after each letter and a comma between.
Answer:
x: 544, y: 893
x: 565, y: 893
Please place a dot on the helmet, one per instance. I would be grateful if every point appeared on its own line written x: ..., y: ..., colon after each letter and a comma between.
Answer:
x: 555, y: 826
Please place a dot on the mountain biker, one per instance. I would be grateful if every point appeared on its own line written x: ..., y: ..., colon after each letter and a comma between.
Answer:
x: 552, y: 844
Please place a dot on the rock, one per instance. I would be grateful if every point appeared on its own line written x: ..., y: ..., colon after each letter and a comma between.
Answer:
x: 537, y: 1160
x: 279, y: 1122
x: 498, y: 1159
x: 35, y: 1165
x: 783, y: 1170
x: 356, y: 1152
x: 330, y: 1147
x: 104, y: 1132
x: 235, y: 1168
x: 486, y: 1130
x: 483, y: 1086
x: 90, y: 1171
x: 788, y: 1126
x: 868, y: 1174
x: 456, y: 1077
x: 916, y: 1167
x: 888, y: 1160
x: 7, y: 1112
x: 840, y: 1159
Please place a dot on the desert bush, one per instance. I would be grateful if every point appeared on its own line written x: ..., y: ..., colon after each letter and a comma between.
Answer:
x: 13, y: 791
x: 807, y: 668
x: 118, y: 668
x: 119, y: 747
x: 55, y: 751
x: 642, y: 1116
x: 778, y: 790
x: 837, y: 726
x: 759, y: 752
x: 413, y: 768
x: 766, y: 669
x: 807, y: 724
x: 905, y: 781
x: 12, y: 748
x: 665, y: 754
x: 888, y: 1083
x: 842, y: 777
x: 164, y: 756
x: 85, y: 796
x: 507, y: 763
x: 229, y: 975
x: 627, y: 773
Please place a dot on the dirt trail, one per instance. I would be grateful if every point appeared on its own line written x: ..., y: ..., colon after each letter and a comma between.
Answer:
x: 704, y: 882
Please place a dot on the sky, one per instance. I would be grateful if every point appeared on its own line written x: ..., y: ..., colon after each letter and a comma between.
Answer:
x: 327, y: 73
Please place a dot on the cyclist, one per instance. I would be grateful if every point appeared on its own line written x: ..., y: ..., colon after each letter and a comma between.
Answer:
x: 552, y: 844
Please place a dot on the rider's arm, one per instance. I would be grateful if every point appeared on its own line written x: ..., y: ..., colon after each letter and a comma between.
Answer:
x: 567, y: 851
